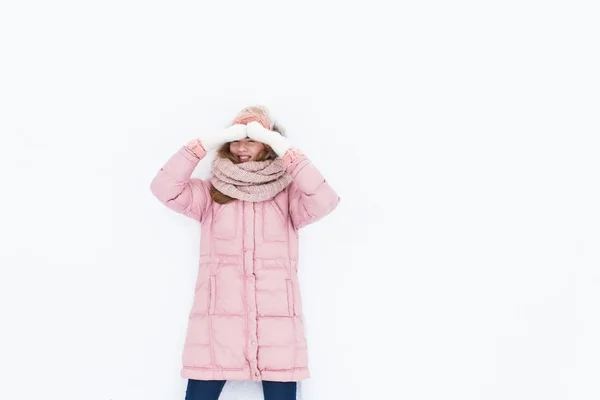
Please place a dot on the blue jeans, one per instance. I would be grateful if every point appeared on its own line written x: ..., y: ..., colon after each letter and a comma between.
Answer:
x: 210, y: 390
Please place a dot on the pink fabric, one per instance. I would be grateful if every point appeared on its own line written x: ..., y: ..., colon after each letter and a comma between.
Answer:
x: 254, y: 113
x: 195, y: 146
x: 252, y: 181
x: 246, y: 319
x: 291, y: 155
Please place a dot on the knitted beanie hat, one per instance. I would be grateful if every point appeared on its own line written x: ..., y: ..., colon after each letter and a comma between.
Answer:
x: 256, y: 113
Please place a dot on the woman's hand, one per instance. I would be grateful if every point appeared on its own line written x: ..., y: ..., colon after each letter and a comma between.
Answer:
x: 214, y: 140
x: 278, y: 143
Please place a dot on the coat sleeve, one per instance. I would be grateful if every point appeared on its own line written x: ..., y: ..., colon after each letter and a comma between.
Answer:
x: 175, y: 188
x: 310, y: 197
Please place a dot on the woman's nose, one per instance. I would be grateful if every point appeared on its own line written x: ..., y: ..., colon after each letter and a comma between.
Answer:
x: 242, y: 145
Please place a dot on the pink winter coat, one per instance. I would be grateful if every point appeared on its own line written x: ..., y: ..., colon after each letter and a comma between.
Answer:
x: 246, y: 318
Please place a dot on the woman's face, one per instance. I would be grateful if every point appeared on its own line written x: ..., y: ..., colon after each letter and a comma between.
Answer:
x: 246, y: 149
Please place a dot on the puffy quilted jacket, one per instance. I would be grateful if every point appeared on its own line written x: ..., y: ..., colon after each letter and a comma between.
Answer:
x: 246, y: 318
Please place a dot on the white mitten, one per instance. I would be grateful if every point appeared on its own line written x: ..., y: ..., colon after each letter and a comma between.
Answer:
x: 278, y: 143
x: 214, y: 140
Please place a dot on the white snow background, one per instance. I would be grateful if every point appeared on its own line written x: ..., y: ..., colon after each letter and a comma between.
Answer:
x: 463, y: 138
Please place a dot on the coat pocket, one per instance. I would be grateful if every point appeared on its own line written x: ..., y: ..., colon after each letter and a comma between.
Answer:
x: 212, y: 296
x: 225, y: 218
x: 274, y: 223
x: 297, y: 297
x: 290, y: 297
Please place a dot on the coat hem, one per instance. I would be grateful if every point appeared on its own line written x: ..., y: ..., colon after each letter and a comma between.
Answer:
x: 284, y: 375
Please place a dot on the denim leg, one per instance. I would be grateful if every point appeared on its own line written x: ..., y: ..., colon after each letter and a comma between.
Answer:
x: 279, y: 390
x: 203, y: 390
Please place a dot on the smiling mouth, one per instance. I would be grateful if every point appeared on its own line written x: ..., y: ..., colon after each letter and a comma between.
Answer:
x: 244, y: 158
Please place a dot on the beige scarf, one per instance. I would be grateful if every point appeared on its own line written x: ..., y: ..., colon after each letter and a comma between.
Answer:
x: 251, y: 181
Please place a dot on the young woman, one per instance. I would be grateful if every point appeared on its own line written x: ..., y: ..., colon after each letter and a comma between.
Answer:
x: 246, y: 318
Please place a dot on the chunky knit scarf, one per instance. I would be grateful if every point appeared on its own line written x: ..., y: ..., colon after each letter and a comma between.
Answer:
x: 251, y: 181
